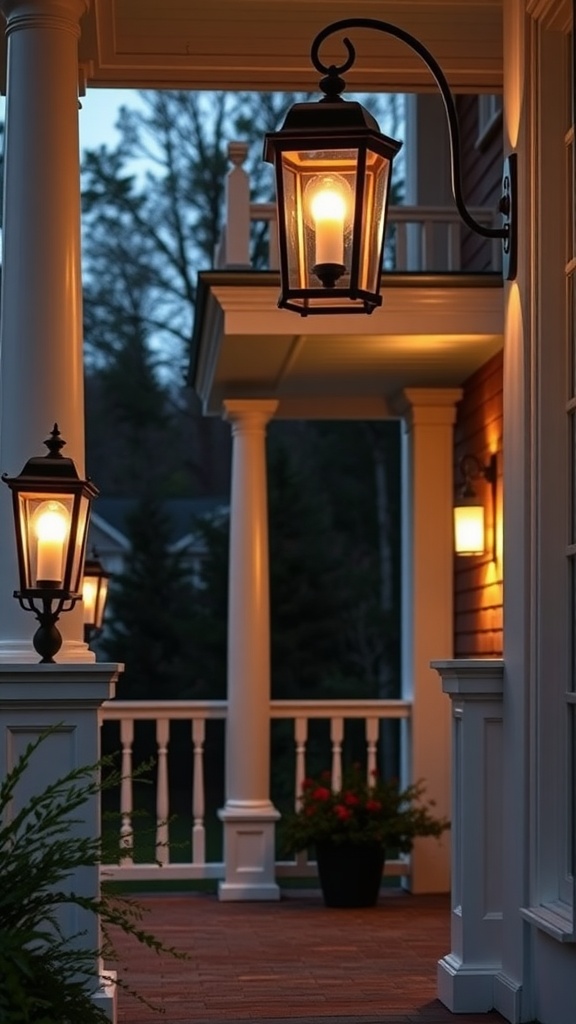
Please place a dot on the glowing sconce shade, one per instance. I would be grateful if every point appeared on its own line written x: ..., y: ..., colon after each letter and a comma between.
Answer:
x: 469, y: 530
x: 469, y: 513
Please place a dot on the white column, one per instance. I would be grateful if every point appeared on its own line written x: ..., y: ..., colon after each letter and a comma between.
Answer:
x: 66, y: 698
x: 41, y: 307
x: 466, y: 975
x: 248, y: 816
x: 427, y: 607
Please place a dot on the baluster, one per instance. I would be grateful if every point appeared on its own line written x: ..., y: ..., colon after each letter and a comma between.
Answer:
x: 126, y: 826
x: 162, y: 803
x: 237, y: 239
x: 428, y: 251
x: 198, y: 810
x: 273, y: 257
x: 300, y: 739
x: 401, y: 261
x: 372, y: 727
x: 337, y: 738
x: 454, y: 246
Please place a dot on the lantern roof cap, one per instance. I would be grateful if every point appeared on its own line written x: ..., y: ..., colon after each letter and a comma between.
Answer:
x: 327, y: 117
x: 52, y: 467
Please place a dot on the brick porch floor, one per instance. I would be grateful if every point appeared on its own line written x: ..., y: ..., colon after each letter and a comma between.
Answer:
x: 291, y: 961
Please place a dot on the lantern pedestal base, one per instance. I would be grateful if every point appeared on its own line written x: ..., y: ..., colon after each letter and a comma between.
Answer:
x: 65, y: 699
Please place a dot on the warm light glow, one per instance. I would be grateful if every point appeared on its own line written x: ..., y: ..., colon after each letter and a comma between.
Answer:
x: 328, y: 202
x: 89, y: 594
x: 50, y: 523
x: 469, y: 534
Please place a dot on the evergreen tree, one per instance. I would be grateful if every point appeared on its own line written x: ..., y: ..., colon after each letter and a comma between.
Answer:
x: 148, y: 619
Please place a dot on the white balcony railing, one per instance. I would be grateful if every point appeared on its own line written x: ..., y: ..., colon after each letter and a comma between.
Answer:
x: 420, y: 239
x: 198, y: 715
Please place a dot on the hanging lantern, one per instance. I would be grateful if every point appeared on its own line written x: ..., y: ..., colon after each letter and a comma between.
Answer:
x: 333, y: 169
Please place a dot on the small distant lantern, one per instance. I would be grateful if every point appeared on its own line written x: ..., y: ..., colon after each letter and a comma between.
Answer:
x: 333, y: 168
x: 94, y: 596
x: 51, y: 505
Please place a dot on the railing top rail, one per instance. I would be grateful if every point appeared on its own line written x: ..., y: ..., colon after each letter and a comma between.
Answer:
x: 340, y: 708
x: 118, y: 709
x: 188, y: 709
x: 441, y: 214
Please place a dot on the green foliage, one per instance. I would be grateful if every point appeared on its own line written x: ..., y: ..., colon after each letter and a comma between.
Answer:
x: 149, y: 612
x: 47, y: 977
x: 360, y: 812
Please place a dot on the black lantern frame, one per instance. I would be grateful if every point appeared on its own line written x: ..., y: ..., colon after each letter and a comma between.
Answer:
x: 94, y: 596
x: 51, y: 506
x: 335, y: 130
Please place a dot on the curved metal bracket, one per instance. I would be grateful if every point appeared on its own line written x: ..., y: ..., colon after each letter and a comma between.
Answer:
x: 507, y: 205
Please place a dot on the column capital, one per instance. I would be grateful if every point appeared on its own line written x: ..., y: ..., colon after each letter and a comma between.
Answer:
x: 431, y: 406
x: 249, y: 414
x: 43, y: 11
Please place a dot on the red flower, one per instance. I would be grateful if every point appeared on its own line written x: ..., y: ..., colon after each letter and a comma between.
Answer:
x: 341, y: 812
x: 321, y: 793
x: 373, y: 805
x: 351, y: 800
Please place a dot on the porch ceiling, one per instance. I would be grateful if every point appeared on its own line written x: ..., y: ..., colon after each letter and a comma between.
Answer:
x: 265, y: 44
x: 430, y: 333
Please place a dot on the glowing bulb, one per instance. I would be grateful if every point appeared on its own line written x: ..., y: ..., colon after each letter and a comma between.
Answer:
x: 329, y: 202
x: 50, y: 524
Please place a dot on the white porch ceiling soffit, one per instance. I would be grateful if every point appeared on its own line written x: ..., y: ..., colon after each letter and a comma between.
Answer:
x: 431, y: 332
x: 265, y: 44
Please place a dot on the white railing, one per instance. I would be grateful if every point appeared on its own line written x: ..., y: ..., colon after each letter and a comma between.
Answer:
x: 198, y: 714
x: 420, y: 239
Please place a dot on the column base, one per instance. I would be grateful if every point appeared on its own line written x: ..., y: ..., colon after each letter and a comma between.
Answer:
x: 105, y: 996
x: 464, y: 988
x: 249, y: 852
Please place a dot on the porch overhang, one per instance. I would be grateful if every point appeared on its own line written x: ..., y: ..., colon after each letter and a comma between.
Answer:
x: 245, y: 44
x: 432, y: 331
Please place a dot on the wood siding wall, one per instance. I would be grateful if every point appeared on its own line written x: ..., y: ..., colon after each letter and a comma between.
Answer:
x: 481, y: 175
x: 478, y: 579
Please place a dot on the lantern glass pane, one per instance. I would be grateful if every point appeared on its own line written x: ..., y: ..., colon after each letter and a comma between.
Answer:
x: 89, y: 598
x: 319, y: 203
x: 101, y: 602
x: 375, y: 202
x: 45, y: 522
x: 77, y: 548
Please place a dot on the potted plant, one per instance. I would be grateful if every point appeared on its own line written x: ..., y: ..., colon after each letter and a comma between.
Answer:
x: 353, y: 827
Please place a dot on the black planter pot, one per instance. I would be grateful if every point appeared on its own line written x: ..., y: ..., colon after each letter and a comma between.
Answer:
x: 350, y: 873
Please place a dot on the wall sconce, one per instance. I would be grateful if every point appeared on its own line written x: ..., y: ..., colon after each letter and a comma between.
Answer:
x: 333, y: 168
x: 51, y: 506
x: 94, y: 596
x: 469, y: 517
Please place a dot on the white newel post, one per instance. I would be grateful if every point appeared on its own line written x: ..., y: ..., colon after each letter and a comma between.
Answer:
x: 41, y: 303
x: 249, y: 817
x: 427, y: 607
x: 34, y: 698
x: 466, y: 974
